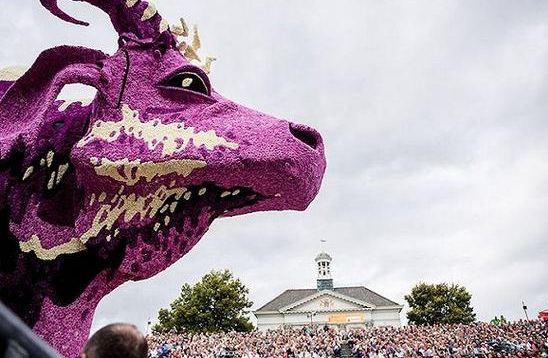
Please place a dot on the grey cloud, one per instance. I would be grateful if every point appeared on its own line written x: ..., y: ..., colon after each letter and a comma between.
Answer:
x: 433, y: 114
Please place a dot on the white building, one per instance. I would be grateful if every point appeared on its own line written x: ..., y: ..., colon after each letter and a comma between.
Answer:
x: 338, y: 307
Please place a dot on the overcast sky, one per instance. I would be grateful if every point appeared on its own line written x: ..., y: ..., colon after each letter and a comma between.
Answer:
x: 434, y: 116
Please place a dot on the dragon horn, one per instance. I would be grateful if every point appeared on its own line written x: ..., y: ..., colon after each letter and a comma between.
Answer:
x: 128, y: 16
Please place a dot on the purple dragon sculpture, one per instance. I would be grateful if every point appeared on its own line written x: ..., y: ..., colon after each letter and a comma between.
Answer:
x: 92, y: 196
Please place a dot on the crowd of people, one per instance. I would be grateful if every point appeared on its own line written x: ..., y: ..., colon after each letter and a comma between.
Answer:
x: 274, y: 343
x: 518, y: 339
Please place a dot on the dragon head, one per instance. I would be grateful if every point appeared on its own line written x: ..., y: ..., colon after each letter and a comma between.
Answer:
x: 95, y: 195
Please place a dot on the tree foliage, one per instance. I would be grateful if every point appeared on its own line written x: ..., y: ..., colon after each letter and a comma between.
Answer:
x: 441, y: 303
x: 218, y: 303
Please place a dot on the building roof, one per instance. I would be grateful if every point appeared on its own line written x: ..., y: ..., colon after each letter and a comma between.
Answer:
x: 323, y: 256
x: 360, y: 293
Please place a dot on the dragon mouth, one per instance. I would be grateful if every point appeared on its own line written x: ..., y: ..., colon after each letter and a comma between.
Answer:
x: 206, y: 199
x: 176, y: 225
x: 170, y: 219
x: 168, y: 211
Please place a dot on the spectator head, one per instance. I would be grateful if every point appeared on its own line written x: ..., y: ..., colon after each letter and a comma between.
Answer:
x: 117, y: 340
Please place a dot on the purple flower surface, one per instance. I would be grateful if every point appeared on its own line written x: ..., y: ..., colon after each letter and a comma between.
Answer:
x: 95, y: 194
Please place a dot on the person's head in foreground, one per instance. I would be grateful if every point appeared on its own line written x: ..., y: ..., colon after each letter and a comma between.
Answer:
x: 117, y: 340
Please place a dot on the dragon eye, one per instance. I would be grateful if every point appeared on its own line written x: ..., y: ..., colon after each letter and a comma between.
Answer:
x: 189, y: 81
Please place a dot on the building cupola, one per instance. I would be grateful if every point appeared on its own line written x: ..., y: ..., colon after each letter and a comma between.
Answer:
x: 324, y: 280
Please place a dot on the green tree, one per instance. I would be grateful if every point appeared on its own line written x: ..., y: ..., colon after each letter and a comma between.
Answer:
x: 441, y: 303
x: 218, y: 303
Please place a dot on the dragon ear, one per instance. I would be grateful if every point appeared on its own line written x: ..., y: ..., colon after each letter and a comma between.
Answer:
x: 25, y: 103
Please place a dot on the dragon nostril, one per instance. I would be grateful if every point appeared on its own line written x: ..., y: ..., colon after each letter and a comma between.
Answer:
x: 306, y: 135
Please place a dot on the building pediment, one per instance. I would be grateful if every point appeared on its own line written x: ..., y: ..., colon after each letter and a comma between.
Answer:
x: 327, y: 301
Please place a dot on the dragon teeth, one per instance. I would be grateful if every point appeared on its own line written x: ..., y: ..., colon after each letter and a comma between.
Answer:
x: 172, y: 207
x: 28, y: 173
x: 51, y: 181
x: 49, y: 158
x: 62, y: 170
x: 224, y: 194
